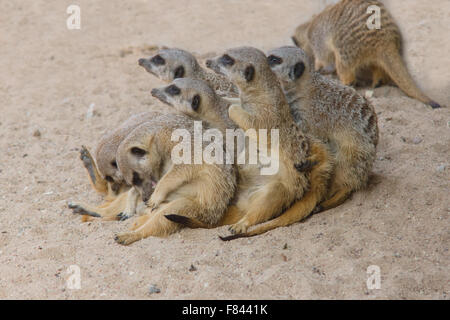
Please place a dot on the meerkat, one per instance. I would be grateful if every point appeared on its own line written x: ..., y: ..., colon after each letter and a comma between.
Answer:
x: 105, y: 177
x: 200, y: 191
x: 340, y: 36
x: 170, y: 64
x: 335, y: 114
x: 263, y: 106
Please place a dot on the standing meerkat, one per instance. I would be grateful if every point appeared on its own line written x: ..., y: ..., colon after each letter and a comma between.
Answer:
x: 333, y: 113
x: 263, y: 106
x: 340, y: 36
x: 170, y: 64
x: 200, y: 191
x: 106, y: 178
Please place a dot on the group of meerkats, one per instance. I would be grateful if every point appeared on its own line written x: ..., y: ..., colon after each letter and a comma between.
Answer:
x: 328, y: 133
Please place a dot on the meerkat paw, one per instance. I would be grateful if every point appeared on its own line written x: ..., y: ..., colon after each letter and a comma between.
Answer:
x: 86, y: 157
x: 78, y: 209
x: 239, y: 227
x: 126, y: 238
x: 124, y: 215
x: 155, y: 200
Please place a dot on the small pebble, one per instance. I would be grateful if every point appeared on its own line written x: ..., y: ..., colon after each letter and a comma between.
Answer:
x: 417, y: 140
x: 37, y: 133
x: 441, y: 168
x: 192, y: 268
x: 90, y: 112
x: 153, y: 289
x: 369, y: 94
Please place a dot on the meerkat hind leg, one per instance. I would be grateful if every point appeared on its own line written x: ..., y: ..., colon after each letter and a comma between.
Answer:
x: 157, y: 224
x: 97, y: 182
x: 337, y: 199
x: 109, y: 212
x: 262, y: 206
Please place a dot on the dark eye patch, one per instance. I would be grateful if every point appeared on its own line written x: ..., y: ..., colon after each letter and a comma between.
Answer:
x: 138, y: 152
x: 179, y: 72
x: 114, y: 164
x: 137, y: 181
x: 226, y: 60
x: 274, y: 60
x: 173, y: 90
x: 109, y: 179
x: 195, y: 102
x: 158, y: 60
x: 297, y: 70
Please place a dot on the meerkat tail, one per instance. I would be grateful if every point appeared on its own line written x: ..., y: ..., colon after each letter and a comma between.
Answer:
x: 393, y: 65
x: 187, y: 222
x: 230, y: 217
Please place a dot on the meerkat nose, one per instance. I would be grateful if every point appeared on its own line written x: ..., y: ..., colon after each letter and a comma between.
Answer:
x: 208, y: 63
x: 141, y: 61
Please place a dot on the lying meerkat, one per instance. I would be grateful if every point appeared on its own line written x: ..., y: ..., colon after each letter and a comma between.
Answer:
x: 263, y: 106
x: 121, y: 200
x: 333, y: 113
x: 170, y: 64
x: 200, y: 191
x: 339, y: 36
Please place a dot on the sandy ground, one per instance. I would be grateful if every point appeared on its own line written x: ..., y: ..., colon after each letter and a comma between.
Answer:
x: 49, y: 77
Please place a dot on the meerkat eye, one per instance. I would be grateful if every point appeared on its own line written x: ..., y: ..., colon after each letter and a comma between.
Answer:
x: 114, y: 164
x: 226, y: 60
x: 249, y: 73
x: 274, y: 60
x: 297, y: 71
x: 158, y: 60
x: 109, y: 179
x: 173, y: 90
x: 137, y: 181
x: 179, y: 72
x: 138, y: 152
x: 195, y: 102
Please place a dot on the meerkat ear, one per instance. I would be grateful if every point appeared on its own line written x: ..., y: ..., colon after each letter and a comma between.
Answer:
x: 297, y: 71
x: 249, y: 73
x: 179, y: 72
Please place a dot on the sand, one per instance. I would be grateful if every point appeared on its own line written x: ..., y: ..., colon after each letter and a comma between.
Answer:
x: 51, y: 75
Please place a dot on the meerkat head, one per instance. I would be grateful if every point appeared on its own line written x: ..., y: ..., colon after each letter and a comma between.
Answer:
x: 170, y: 64
x: 301, y: 38
x: 139, y: 160
x: 192, y: 97
x: 106, y: 162
x: 290, y: 64
x: 245, y: 66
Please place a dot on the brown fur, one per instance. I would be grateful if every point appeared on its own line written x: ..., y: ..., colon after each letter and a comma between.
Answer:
x: 335, y: 114
x: 200, y: 191
x: 263, y: 106
x: 170, y: 64
x: 102, y: 169
x: 339, y: 36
